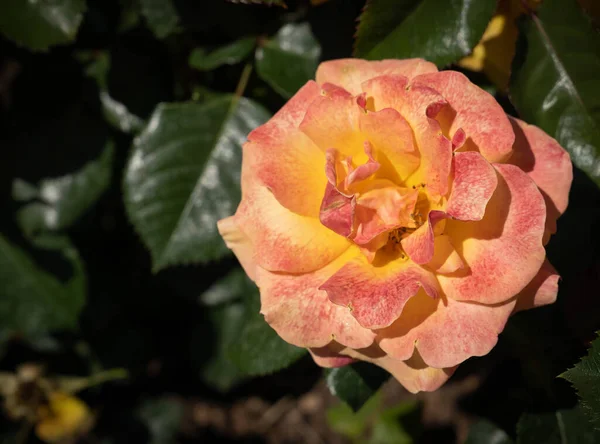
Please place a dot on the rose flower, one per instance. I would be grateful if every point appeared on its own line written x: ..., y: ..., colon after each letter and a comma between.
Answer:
x: 395, y: 214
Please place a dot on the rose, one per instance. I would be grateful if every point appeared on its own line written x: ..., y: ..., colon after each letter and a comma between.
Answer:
x: 395, y: 214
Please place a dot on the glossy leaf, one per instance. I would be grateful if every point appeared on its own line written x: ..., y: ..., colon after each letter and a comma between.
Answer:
x: 258, y: 350
x: 227, y: 55
x: 184, y: 175
x: 392, y: 29
x: 33, y: 300
x: 559, y: 427
x: 289, y: 60
x: 161, y: 16
x: 485, y: 432
x: 59, y: 202
x: 356, y: 383
x: 585, y: 377
x: 41, y: 24
x: 555, y: 80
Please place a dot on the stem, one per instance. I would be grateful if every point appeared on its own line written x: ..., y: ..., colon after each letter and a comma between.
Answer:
x: 243, y: 82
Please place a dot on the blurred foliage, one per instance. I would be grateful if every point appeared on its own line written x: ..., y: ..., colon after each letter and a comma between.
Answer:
x: 121, y: 125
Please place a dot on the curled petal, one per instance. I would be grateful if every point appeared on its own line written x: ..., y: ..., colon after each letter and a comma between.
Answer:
x: 282, y: 158
x: 365, y: 170
x: 504, y: 250
x: 418, y: 105
x: 477, y: 113
x: 542, y: 290
x: 303, y: 315
x: 351, y: 73
x: 337, y: 211
x: 445, y: 331
x: 239, y: 243
x: 445, y: 258
x: 474, y: 183
x: 392, y: 138
x: 331, y: 121
x: 376, y: 295
x: 420, y: 245
x: 413, y: 373
x: 382, y: 209
x: 547, y: 163
x: 284, y: 240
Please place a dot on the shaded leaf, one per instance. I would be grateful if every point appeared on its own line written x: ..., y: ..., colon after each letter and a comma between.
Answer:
x: 227, y: 55
x: 115, y: 113
x: 32, y: 300
x: 214, y: 365
x: 585, y: 377
x: 392, y: 29
x: 61, y: 201
x: 41, y: 24
x: 258, y: 349
x: 559, y: 427
x: 162, y: 417
x: 232, y: 287
x: 161, y: 16
x: 388, y: 427
x: 349, y: 423
x: 289, y: 60
x: 184, y: 175
x: 555, y: 80
x: 356, y: 383
x: 486, y: 432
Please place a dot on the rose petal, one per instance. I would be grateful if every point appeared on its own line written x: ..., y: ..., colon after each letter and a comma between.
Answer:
x: 445, y: 331
x: 391, y: 136
x: 351, y: 73
x: 412, y: 373
x: 331, y: 121
x: 547, y: 163
x: 282, y: 158
x: 477, y: 113
x: 303, y: 315
x: 382, y: 209
x: 239, y: 243
x: 284, y: 240
x: 445, y: 258
x: 542, y: 290
x: 418, y: 105
x: 376, y: 294
x: 419, y: 245
x: 473, y: 186
x: 504, y: 250
x: 337, y: 211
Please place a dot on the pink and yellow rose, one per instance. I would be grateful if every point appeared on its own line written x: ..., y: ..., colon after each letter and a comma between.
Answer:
x: 395, y: 214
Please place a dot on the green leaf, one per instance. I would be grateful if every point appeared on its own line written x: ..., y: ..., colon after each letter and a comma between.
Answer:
x: 227, y: 55
x: 486, y: 432
x: 184, y: 175
x: 62, y: 200
x: 161, y: 16
x: 32, y: 300
x: 115, y: 113
x: 258, y: 349
x: 232, y: 287
x: 349, y: 423
x: 218, y: 370
x: 163, y: 418
x: 356, y: 383
x: 585, y: 377
x: 289, y: 60
x: 559, y: 427
x: 388, y: 429
x: 41, y: 24
x: 555, y: 80
x: 401, y: 29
